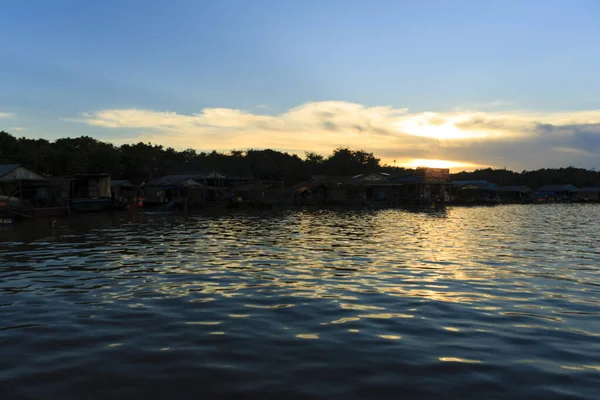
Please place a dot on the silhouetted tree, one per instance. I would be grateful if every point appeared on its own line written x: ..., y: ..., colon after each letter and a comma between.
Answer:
x: 145, y: 161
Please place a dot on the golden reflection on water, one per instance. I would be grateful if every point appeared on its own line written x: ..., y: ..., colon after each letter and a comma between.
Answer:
x: 239, y: 315
x: 451, y: 329
x: 390, y: 337
x: 459, y: 360
x: 492, y: 274
x: 447, y: 256
x: 344, y: 320
x: 312, y: 336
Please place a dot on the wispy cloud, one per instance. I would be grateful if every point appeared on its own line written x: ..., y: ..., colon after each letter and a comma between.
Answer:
x: 466, y: 137
x: 17, y: 128
x: 6, y: 115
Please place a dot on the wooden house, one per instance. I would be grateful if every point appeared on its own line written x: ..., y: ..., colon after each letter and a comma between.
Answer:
x: 425, y: 185
x: 259, y: 193
x: 88, y: 192
x: 589, y: 194
x: 31, y: 193
x: 123, y: 193
x: 556, y: 193
x: 517, y: 194
x: 180, y: 190
x: 475, y: 192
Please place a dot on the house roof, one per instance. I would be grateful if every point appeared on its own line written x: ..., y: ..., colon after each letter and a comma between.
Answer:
x: 85, y: 176
x: 557, y: 188
x: 17, y: 172
x: 6, y: 168
x: 252, y: 186
x: 408, y: 179
x: 175, y: 181
x: 464, y: 183
x: 478, y: 185
x: 330, y: 179
x: 121, y: 183
x: 590, y: 190
x: 519, y: 189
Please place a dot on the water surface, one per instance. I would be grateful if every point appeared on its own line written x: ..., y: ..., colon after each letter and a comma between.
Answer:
x: 475, y: 302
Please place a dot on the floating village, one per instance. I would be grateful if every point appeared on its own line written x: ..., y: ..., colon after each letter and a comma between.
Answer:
x: 26, y: 194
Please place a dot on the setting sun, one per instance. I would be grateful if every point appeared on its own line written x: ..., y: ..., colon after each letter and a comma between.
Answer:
x: 421, y: 162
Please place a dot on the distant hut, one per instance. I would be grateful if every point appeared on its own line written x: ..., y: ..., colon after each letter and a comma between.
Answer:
x: 180, y: 191
x: 556, y: 192
x: 123, y: 193
x: 331, y: 190
x: 476, y: 191
x: 589, y: 194
x: 33, y: 194
x: 259, y: 193
x: 89, y: 192
x: 424, y: 186
x: 515, y: 193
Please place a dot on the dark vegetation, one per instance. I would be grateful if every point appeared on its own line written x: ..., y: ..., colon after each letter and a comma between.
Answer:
x: 144, y: 161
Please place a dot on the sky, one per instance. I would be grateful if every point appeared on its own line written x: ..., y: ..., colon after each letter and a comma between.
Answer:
x: 460, y: 84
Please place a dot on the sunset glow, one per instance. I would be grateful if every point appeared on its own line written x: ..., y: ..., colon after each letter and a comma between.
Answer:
x: 452, y: 165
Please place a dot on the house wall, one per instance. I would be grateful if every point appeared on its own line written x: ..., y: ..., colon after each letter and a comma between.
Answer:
x: 93, y: 187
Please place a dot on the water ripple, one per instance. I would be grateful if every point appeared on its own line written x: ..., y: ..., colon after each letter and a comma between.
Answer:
x: 461, y: 302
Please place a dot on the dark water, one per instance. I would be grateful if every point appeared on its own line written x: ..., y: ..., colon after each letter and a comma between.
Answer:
x: 456, y: 303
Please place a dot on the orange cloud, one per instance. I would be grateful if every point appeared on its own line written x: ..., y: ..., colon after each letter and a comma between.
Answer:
x: 458, y: 139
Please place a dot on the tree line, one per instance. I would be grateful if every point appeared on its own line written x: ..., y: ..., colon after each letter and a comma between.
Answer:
x: 145, y: 161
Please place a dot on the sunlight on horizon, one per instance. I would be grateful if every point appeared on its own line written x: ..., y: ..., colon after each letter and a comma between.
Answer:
x: 433, y: 163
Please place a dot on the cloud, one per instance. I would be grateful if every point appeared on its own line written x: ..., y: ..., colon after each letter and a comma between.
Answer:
x: 517, y: 139
x: 6, y: 115
x: 17, y: 128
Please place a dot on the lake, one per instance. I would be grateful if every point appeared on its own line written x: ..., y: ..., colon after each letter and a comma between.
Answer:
x: 473, y: 302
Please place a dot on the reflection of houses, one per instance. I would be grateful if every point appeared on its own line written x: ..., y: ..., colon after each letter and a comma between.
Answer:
x: 515, y: 193
x: 29, y: 193
x: 475, y: 191
x: 180, y: 190
x: 89, y: 192
x: 123, y: 193
x: 589, y: 194
x: 556, y: 192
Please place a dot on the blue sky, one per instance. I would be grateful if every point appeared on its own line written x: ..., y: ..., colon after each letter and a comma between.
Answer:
x: 65, y: 63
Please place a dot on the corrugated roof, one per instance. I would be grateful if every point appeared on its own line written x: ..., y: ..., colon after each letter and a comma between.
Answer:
x: 174, y: 180
x: 121, y: 183
x: 408, y: 179
x: 521, y: 189
x: 590, y: 190
x: 481, y: 185
x: 464, y: 183
x: 330, y: 179
x: 558, y: 188
x: 252, y: 186
x: 6, y: 168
